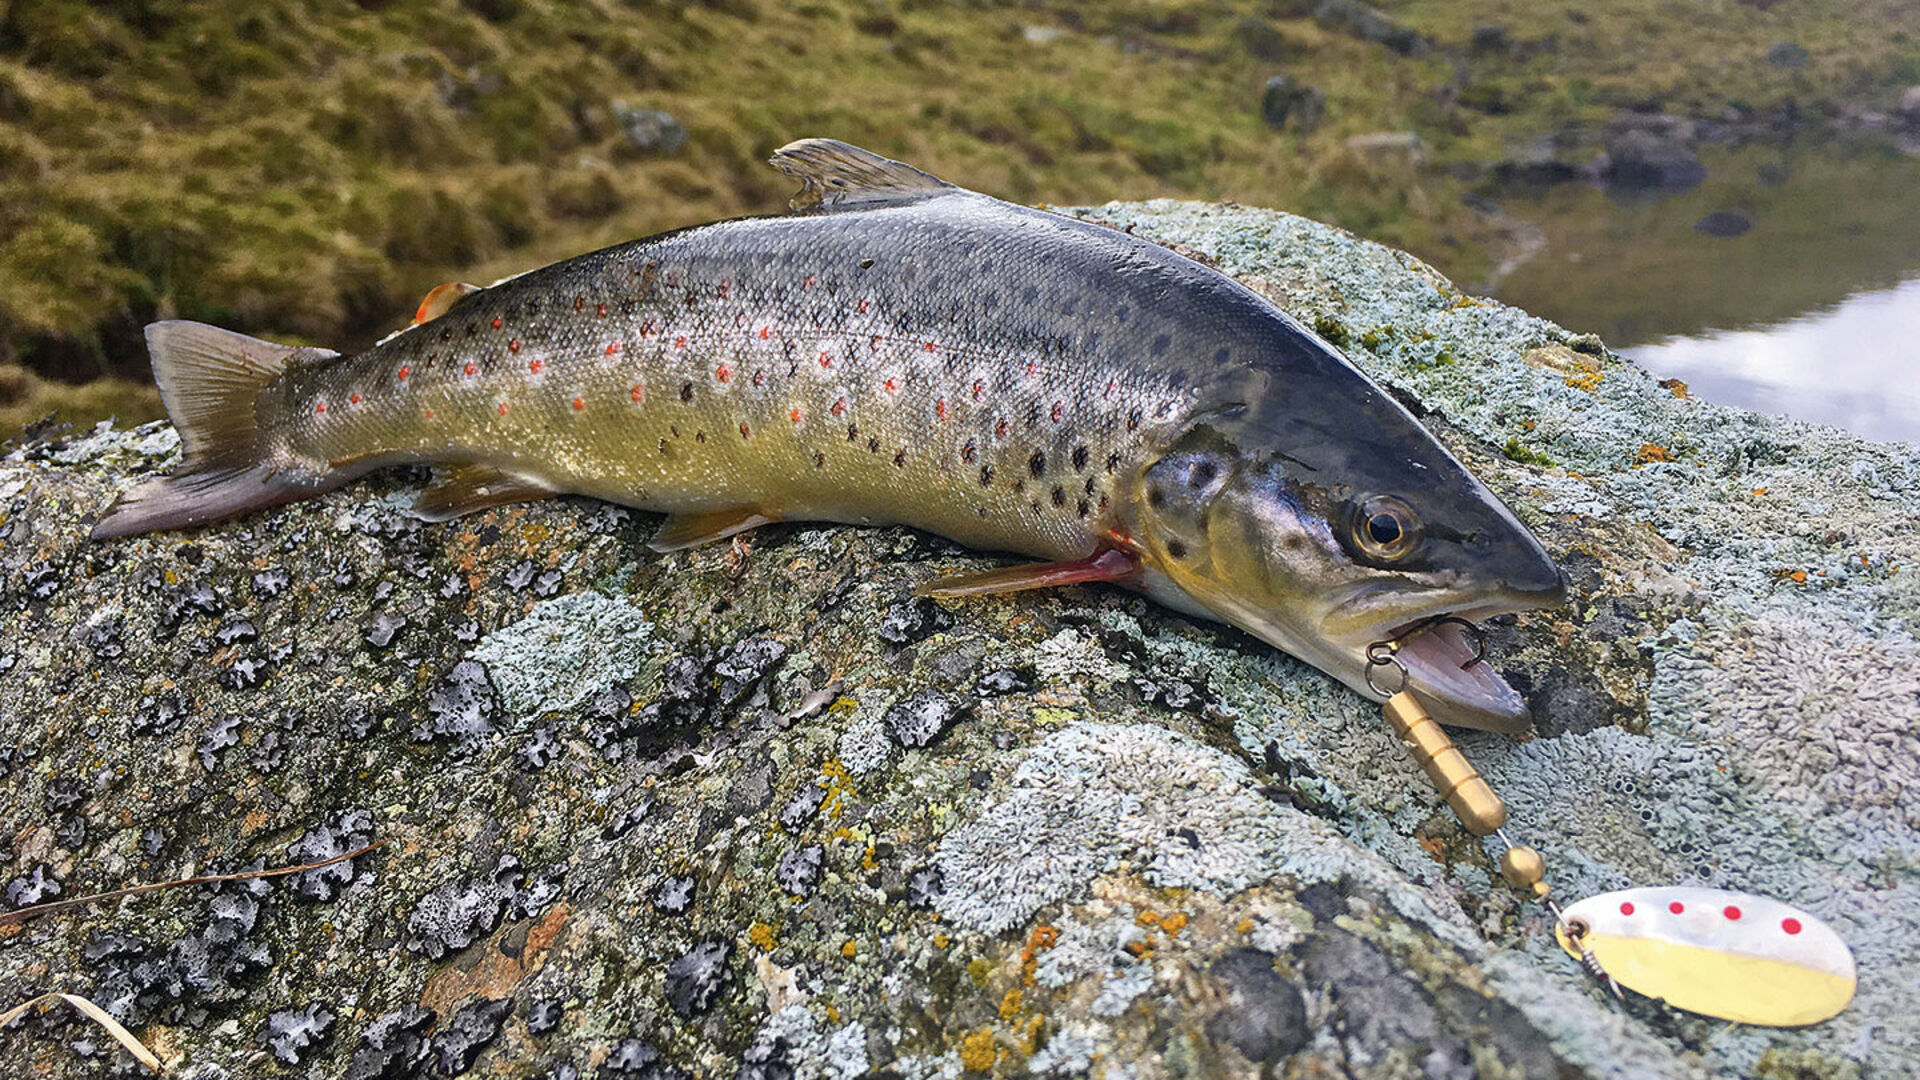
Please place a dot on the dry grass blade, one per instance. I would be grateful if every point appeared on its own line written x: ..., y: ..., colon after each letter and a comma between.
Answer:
x: 20, y: 915
x: 94, y: 1013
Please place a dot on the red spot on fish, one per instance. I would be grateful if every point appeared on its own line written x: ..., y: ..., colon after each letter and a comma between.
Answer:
x: 639, y: 393
x: 320, y: 408
x: 873, y: 343
x: 1790, y: 925
x: 1677, y: 907
x: 513, y: 345
x: 940, y: 408
x: 579, y: 404
x: 353, y: 399
x: 1626, y: 907
x: 979, y: 388
x: 808, y: 284
x: 429, y: 414
x: 404, y: 372
x: 503, y: 408
x: 1033, y: 367
x: 726, y: 286
x: 472, y: 368
x: 601, y: 311
x: 1059, y: 411
x: 613, y: 348
x: 536, y: 365
x: 1731, y: 912
x: 766, y: 332
x: 840, y: 407
x: 1000, y: 429
x: 496, y: 322
x: 723, y: 373
x: 927, y: 346
x: 826, y: 360
x: 579, y: 303
x: 861, y: 307
x: 745, y: 431
x: 679, y: 343
x: 892, y: 386
x: 1110, y: 388
x: 794, y: 416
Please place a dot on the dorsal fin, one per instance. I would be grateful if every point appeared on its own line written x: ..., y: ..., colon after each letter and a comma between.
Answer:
x: 834, y: 174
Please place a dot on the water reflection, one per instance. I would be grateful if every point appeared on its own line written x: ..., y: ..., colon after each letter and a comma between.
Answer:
x: 1788, y: 281
x: 1852, y: 366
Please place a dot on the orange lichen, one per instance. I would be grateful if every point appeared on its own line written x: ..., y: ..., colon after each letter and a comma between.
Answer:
x: 851, y: 949
x: 1174, y: 923
x: 1763, y: 491
x: 1675, y: 387
x: 762, y: 935
x: 1651, y: 452
x: 977, y: 1051
x: 1010, y: 1004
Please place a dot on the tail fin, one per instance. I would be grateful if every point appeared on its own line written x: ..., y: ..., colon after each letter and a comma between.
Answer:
x: 211, y: 381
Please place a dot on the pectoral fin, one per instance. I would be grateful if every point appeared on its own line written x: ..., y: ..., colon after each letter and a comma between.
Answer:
x: 1108, y: 565
x: 463, y: 489
x: 691, y: 530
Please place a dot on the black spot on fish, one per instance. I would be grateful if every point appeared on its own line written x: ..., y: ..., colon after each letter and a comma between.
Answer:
x: 873, y: 446
x: 1176, y: 549
x: 1037, y: 464
x: 446, y: 334
x: 1122, y: 313
x: 686, y: 392
x: 664, y: 451
x: 1113, y: 463
x: 1089, y: 485
x: 1036, y: 507
x: 1059, y: 496
x: 866, y: 264
x: 980, y: 511
x: 700, y: 436
x: 1156, y: 498
x: 1084, y: 508
x: 967, y: 452
x: 1202, y: 474
x: 986, y: 475
x: 900, y: 459
x: 1019, y: 484
x: 1160, y: 344
x: 1133, y: 420
x: 853, y: 432
x: 819, y: 460
x: 1079, y: 458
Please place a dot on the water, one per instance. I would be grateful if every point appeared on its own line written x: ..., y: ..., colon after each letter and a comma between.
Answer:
x: 1813, y: 311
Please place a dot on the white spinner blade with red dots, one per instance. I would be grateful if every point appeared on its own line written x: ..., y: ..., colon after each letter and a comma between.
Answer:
x: 1732, y: 955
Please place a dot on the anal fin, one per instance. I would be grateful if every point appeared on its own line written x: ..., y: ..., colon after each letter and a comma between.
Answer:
x: 691, y: 530
x: 1110, y: 564
x: 462, y: 489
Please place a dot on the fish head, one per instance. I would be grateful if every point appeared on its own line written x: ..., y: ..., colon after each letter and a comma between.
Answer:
x: 1325, y: 539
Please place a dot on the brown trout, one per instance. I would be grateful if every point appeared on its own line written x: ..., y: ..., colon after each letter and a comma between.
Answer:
x: 903, y: 351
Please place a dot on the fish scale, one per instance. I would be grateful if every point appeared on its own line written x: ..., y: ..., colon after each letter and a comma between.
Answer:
x: 906, y: 351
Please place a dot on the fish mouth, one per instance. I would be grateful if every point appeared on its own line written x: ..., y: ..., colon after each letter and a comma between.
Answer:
x: 1449, y: 673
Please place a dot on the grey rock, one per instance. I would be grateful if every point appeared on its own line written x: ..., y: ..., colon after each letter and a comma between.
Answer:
x: 1639, y: 158
x: 1702, y: 717
x: 1286, y: 102
x: 1724, y: 223
x: 649, y: 131
x: 1369, y: 24
x: 1788, y: 55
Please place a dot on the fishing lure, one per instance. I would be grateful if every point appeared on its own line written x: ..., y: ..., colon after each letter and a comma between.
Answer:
x: 1731, y: 955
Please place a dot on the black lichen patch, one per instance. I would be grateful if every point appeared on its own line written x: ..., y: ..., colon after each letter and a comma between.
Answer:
x: 801, y: 808
x: 339, y: 834
x: 639, y: 1059
x: 461, y: 706
x: 458, y: 913
x: 698, y: 977
x: 394, y: 1046
x: 472, y: 1029
x: 925, y: 886
x: 294, y: 1035
x: 1005, y: 680
x: 159, y: 715
x: 544, y: 1016
x: 767, y: 1059
x: 922, y: 718
x: 381, y: 630
x: 675, y: 894
x: 137, y: 981
x: 1266, y: 1019
x: 705, y: 686
x: 911, y: 620
x: 799, y: 870
x: 36, y: 886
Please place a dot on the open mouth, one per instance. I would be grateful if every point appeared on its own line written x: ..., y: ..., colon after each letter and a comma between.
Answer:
x: 1447, y: 671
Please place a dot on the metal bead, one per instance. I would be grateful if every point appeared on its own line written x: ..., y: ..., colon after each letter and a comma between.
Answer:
x: 1523, y: 868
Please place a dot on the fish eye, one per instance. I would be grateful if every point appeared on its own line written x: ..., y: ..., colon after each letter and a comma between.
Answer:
x: 1384, y: 528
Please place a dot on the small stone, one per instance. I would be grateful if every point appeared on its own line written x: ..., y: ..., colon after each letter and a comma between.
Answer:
x: 1286, y: 102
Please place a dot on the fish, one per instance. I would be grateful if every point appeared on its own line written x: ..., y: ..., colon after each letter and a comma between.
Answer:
x: 900, y: 350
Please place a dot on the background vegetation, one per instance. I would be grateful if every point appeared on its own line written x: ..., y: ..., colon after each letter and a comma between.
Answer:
x: 305, y: 170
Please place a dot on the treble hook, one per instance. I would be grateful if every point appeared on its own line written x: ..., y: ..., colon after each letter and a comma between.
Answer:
x: 1382, y: 652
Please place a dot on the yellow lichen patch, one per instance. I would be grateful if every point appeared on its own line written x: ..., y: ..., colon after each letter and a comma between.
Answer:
x: 1652, y: 452
x: 850, y: 949
x: 977, y: 1051
x: 1174, y: 922
x: 1798, y: 577
x: 833, y: 1015
x: 1586, y: 380
x: 1244, y: 926
x: 1010, y: 1004
x: 1763, y: 491
x: 1675, y: 387
x: 980, y: 969
x: 762, y: 935
x: 941, y: 941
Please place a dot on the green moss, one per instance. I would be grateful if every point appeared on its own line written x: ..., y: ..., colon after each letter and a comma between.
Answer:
x: 1331, y: 328
x: 1515, y: 451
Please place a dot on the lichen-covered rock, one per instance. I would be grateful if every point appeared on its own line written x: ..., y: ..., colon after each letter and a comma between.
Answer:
x: 753, y: 810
